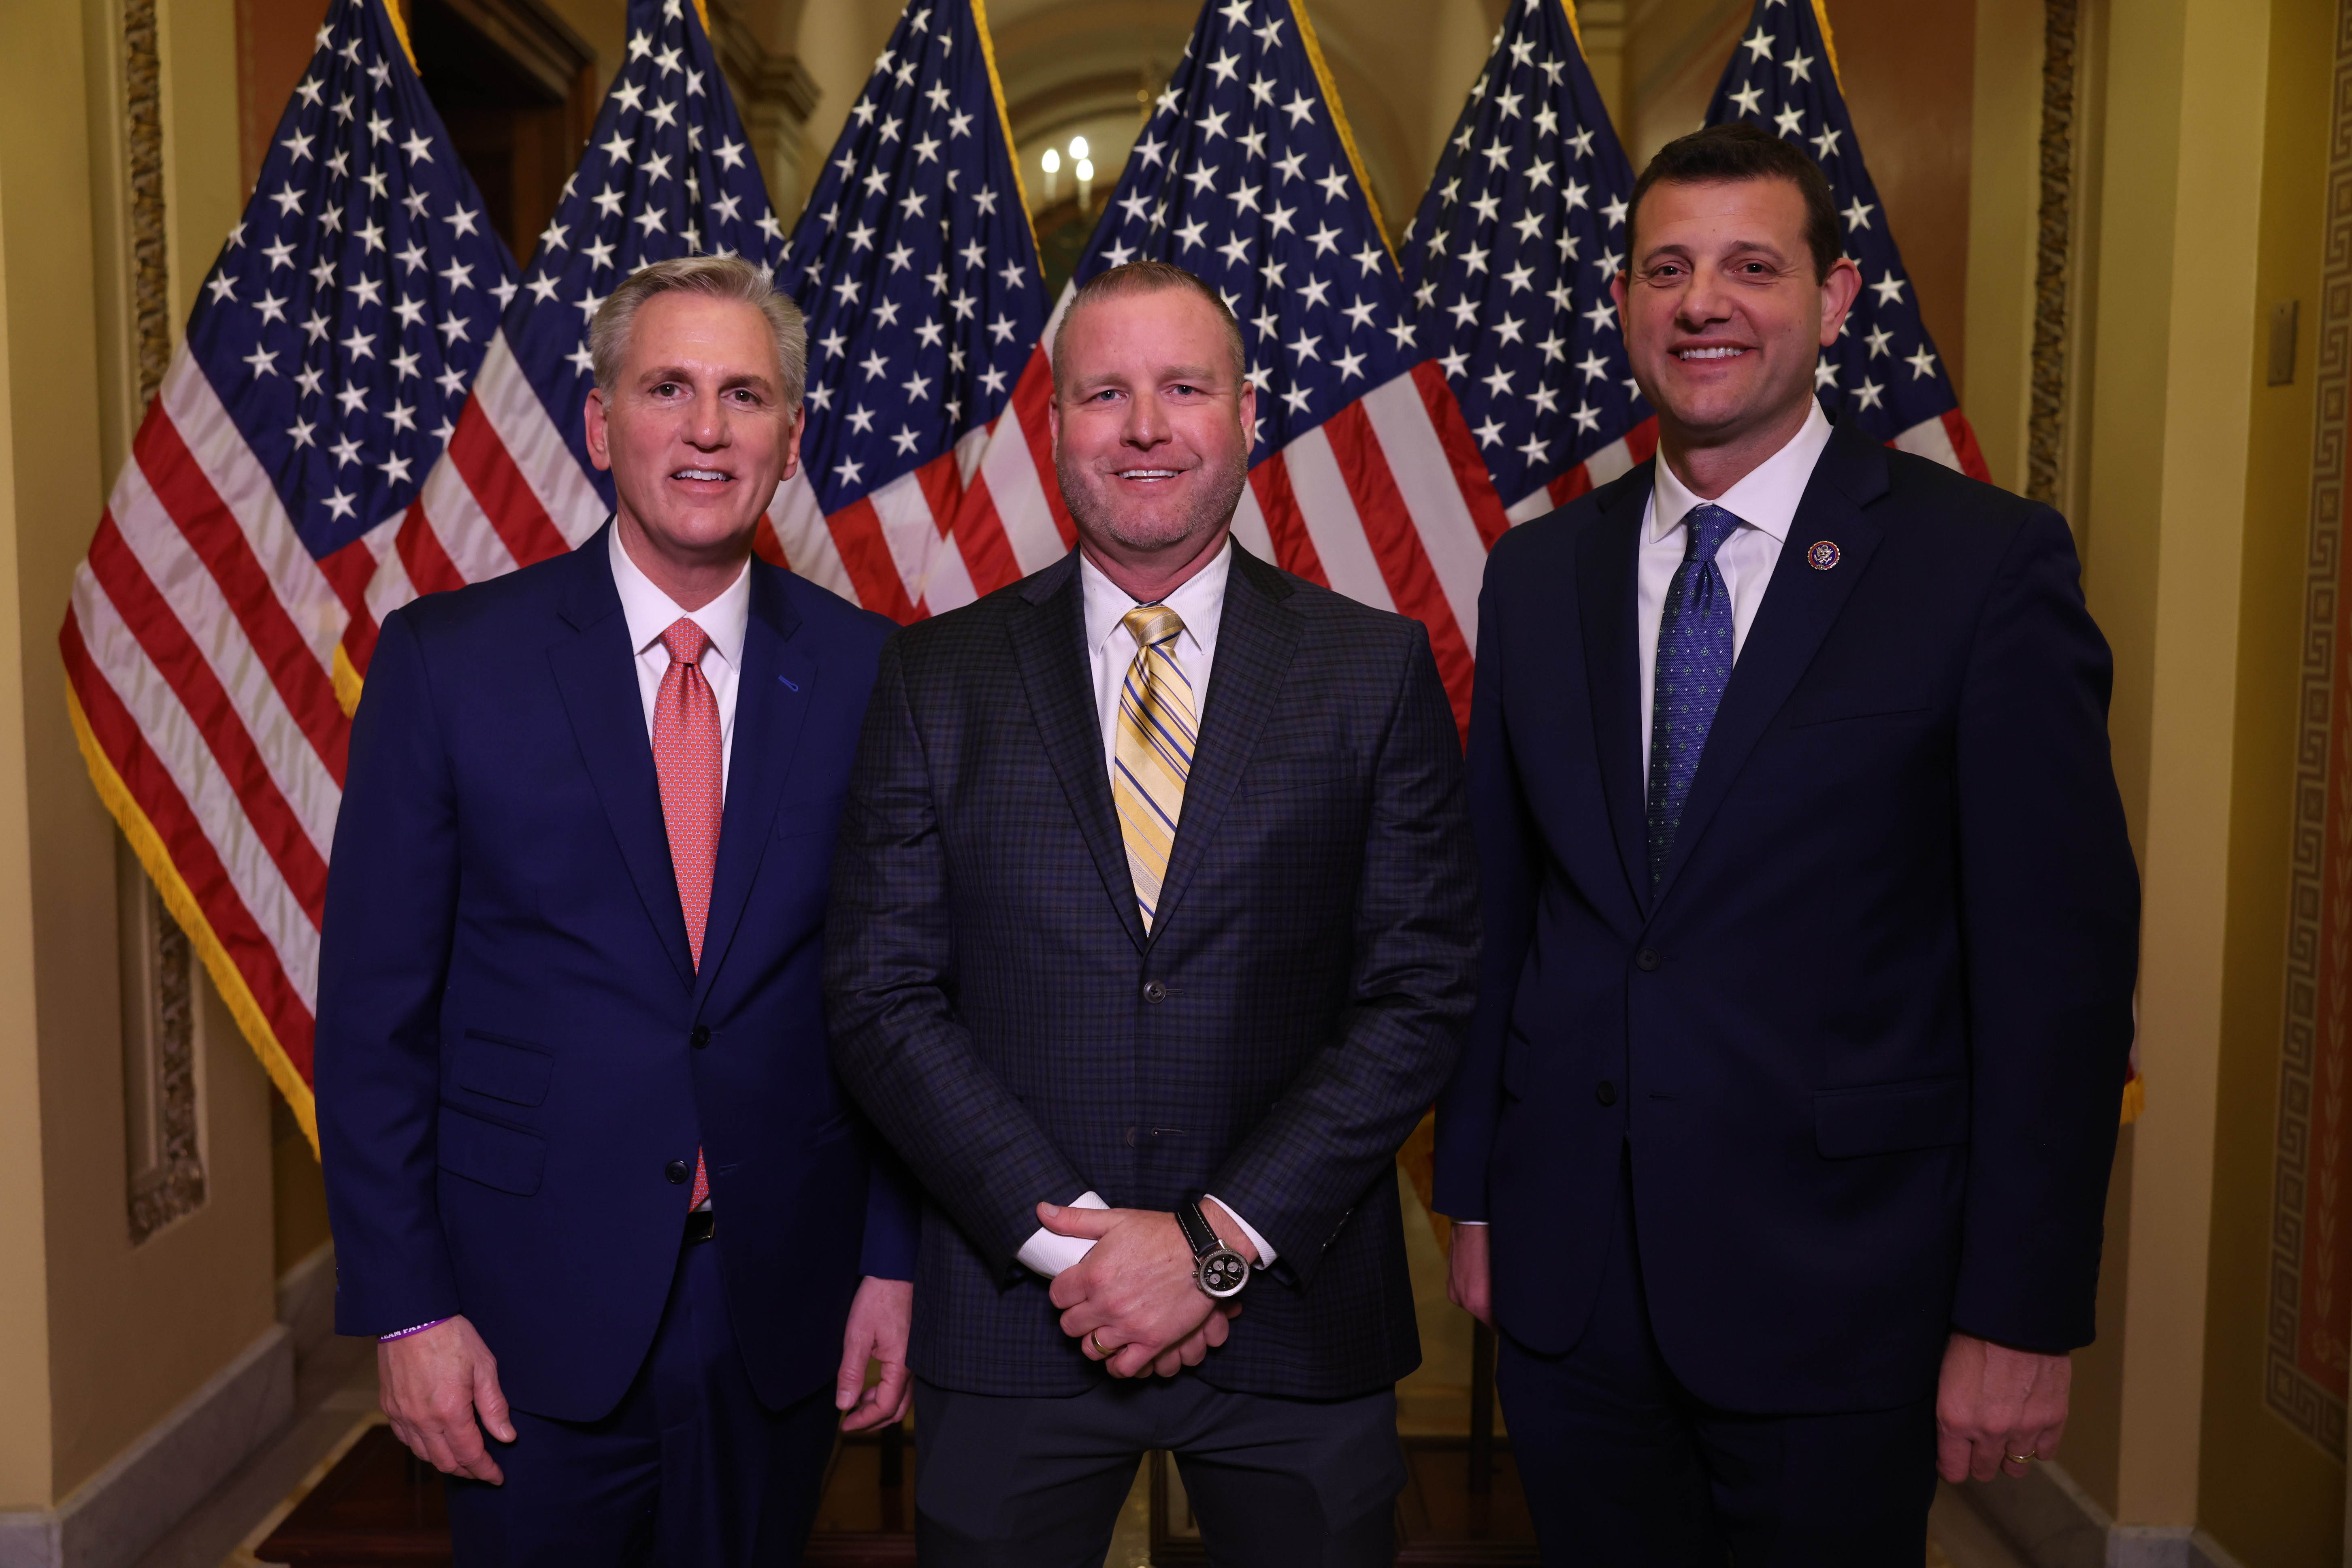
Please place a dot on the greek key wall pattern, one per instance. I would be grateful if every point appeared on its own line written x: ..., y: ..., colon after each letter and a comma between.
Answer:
x: 2307, y: 1357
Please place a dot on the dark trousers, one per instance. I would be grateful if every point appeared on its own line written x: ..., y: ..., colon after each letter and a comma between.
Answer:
x: 690, y: 1471
x: 1624, y: 1465
x: 1038, y: 1483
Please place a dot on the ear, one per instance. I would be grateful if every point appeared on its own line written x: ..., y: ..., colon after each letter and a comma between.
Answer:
x: 598, y: 441
x: 793, y: 434
x: 1053, y: 421
x: 1617, y: 298
x: 1839, y: 291
x: 1248, y: 408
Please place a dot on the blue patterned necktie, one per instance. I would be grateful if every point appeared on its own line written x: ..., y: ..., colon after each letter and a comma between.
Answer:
x: 1694, y: 663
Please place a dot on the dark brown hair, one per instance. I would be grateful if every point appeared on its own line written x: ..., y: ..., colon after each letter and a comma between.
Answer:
x: 1150, y: 277
x: 1743, y: 152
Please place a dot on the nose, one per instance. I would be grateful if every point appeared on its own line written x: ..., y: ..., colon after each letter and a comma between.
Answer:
x: 1705, y: 300
x: 1147, y: 422
x: 707, y: 422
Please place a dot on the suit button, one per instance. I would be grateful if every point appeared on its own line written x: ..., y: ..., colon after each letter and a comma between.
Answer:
x: 1605, y: 1092
x: 1647, y: 959
x: 701, y: 1035
x: 1153, y: 991
x: 679, y: 1171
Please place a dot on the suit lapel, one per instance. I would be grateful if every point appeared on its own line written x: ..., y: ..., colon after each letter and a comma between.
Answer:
x: 1800, y: 606
x: 1049, y: 646
x: 593, y: 671
x: 773, y: 692
x: 1255, y: 640
x: 1606, y: 564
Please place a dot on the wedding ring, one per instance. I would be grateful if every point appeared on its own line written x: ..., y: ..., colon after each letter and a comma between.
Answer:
x: 1097, y: 1344
x: 2025, y: 1459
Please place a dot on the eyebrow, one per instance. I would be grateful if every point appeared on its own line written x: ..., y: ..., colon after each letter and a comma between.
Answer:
x: 679, y: 373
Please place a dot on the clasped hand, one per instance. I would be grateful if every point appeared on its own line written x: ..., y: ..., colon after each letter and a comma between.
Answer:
x: 1133, y: 1302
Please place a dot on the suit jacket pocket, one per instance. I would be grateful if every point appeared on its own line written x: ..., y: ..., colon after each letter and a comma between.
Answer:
x: 1827, y: 707
x: 504, y: 1067
x: 493, y: 1155
x: 1888, y: 1118
x: 1516, y: 1048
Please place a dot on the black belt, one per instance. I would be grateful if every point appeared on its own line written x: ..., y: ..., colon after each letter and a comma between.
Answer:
x: 701, y: 1225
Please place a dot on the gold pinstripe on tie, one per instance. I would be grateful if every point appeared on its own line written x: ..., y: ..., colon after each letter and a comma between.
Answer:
x: 1159, y: 720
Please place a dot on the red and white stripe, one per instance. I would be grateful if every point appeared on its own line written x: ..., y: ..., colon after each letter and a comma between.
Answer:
x: 505, y: 493
x: 199, y: 644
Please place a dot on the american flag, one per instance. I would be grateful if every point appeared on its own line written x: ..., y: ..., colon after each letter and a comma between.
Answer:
x: 1364, y: 476
x: 329, y: 353
x: 1509, y: 261
x: 666, y: 173
x: 1884, y: 376
x: 916, y: 265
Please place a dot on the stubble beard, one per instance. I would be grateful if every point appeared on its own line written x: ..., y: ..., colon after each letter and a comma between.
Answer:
x: 1096, y: 517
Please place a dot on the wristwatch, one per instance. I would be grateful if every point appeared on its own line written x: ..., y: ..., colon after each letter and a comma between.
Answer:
x: 1216, y: 1267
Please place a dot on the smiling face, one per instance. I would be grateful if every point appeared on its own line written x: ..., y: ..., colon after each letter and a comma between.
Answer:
x: 1725, y: 319
x: 695, y: 429
x: 1152, y: 422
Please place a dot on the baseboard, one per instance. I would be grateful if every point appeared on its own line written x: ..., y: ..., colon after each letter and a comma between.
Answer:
x: 306, y: 1299
x: 2054, y: 1523
x: 115, y: 1516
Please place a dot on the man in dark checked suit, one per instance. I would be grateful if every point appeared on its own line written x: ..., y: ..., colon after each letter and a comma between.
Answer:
x: 1780, y: 1146
x: 1153, y: 932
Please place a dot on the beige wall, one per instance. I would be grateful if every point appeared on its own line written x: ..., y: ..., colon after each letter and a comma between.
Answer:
x: 124, y: 1334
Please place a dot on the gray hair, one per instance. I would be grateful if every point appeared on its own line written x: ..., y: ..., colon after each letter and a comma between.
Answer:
x: 715, y: 278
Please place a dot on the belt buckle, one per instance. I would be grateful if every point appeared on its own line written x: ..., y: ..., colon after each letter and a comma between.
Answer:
x: 701, y: 1225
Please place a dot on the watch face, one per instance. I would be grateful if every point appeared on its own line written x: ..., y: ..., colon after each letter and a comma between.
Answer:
x: 1223, y: 1272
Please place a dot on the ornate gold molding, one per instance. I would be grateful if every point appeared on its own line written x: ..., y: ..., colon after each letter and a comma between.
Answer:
x: 166, y: 1152
x: 2046, y: 421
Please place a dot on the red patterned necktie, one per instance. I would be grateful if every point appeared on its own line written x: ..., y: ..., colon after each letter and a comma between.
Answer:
x: 689, y: 757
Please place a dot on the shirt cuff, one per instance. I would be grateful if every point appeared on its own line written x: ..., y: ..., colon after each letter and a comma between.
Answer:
x: 1265, y: 1253
x: 1048, y: 1253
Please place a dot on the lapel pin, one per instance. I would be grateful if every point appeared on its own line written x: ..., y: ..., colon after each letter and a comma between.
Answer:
x: 795, y: 685
x: 1823, y: 555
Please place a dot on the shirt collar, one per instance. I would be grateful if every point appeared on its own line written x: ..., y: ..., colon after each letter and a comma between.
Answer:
x: 1767, y: 495
x: 1198, y: 602
x: 651, y: 612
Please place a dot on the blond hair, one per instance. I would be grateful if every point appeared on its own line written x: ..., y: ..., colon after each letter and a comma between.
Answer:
x: 715, y: 278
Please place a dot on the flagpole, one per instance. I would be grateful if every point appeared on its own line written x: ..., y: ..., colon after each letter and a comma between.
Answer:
x: 1340, y: 118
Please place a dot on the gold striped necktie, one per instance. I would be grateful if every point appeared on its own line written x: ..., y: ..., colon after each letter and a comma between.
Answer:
x: 1159, y: 720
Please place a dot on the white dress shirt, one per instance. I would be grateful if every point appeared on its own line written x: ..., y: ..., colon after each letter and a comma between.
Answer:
x: 650, y: 612
x: 1765, y: 501
x: 1200, y: 604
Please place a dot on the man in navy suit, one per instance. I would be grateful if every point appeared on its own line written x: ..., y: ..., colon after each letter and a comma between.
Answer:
x: 1779, y: 1145
x: 592, y: 1177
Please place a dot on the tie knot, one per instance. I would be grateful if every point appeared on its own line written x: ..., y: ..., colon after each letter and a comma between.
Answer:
x: 1709, y: 526
x: 686, y: 641
x: 1151, y: 624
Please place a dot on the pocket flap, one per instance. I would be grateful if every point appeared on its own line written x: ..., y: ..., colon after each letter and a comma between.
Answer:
x: 494, y: 1156
x: 513, y: 1070
x: 1886, y: 1118
x: 1825, y: 707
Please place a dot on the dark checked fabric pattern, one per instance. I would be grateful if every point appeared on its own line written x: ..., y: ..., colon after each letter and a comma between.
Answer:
x: 1694, y: 664
x: 999, y: 1009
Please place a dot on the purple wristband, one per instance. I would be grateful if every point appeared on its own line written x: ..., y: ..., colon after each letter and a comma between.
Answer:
x: 387, y: 1338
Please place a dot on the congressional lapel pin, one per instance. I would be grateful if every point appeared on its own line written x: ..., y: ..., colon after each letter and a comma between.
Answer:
x: 1823, y: 555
